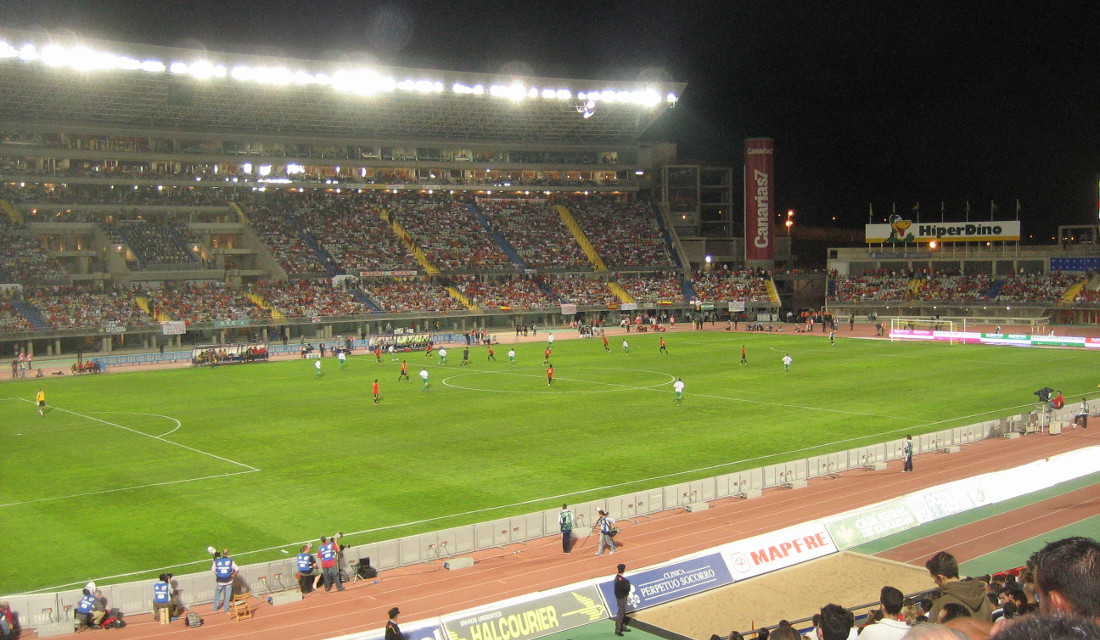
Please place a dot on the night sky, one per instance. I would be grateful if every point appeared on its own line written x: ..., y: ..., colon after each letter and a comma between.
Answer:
x: 868, y: 102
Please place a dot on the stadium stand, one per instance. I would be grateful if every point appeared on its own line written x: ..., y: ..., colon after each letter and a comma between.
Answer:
x: 625, y: 235
x: 536, y: 231
x: 449, y: 235
x: 731, y: 285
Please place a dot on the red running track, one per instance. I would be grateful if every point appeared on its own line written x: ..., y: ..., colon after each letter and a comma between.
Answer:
x: 425, y: 591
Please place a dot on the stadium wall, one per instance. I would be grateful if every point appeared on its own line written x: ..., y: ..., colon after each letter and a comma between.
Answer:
x: 268, y: 577
x: 588, y: 601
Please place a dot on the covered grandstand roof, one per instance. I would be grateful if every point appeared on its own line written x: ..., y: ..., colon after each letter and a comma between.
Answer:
x: 65, y: 81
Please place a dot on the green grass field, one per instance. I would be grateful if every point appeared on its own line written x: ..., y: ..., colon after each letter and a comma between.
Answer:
x: 133, y: 471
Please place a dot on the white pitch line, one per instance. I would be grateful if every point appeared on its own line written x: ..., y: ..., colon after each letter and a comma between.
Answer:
x: 157, y: 438
x: 155, y: 415
x: 133, y: 488
x: 542, y: 499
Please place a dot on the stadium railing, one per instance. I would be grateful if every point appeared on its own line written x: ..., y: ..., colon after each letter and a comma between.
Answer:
x: 278, y: 575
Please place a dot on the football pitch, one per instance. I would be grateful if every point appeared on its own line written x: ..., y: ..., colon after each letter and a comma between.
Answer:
x: 131, y: 473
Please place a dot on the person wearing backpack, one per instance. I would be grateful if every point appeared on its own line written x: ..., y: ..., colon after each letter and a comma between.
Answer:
x: 607, y: 531
x: 565, y: 521
x: 224, y: 571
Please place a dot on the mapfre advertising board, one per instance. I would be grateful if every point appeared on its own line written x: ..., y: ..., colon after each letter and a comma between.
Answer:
x: 902, y: 230
x: 778, y: 550
x: 759, y: 199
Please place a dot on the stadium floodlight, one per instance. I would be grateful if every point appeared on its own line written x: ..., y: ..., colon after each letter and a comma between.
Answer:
x: 361, y: 81
x: 515, y: 91
x: 420, y: 86
x: 28, y: 53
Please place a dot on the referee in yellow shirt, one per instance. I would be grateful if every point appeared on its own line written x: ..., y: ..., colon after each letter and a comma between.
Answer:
x: 40, y: 400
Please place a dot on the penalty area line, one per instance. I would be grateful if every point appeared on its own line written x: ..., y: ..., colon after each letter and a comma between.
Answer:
x: 157, y: 438
x: 133, y: 488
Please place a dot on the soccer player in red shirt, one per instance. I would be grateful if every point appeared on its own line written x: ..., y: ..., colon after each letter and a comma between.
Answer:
x: 550, y: 375
x: 546, y: 356
x: 376, y: 391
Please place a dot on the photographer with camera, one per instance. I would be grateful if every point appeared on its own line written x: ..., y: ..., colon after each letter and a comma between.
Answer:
x: 90, y: 611
x: 330, y: 562
x: 225, y: 570
x: 164, y: 597
x: 607, y: 531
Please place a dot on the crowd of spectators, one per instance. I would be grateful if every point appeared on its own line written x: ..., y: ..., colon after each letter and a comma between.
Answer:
x: 750, y: 286
x: 22, y: 257
x: 1036, y: 287
x: 196, y: 303
x: 950, y: 287
x: 405, y: 295
x: 1088, y: 296
x: 536, y: 232
x: 309, y: 299
x: 274, y: 220
x: 624, y: 235
x: 184, y: 232
x: 11, y: 320
x: 350, y: 227
x: 653, y: 288
x: 581, y: 290
x: 514, y: 293
x: 449, y: 234
x: 152, y: 242
x: 871, y: 288
x: 75, y: 308
x: 1055, y: 597
x: 39, y: 194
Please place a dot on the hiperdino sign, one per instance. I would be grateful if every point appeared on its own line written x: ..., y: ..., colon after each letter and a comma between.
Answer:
x: 902, y: 231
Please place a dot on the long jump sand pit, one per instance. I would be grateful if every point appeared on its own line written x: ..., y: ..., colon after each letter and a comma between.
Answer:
x: 846, y: 578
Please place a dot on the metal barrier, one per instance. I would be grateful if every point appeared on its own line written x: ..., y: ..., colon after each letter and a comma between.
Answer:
x: 198, y: 588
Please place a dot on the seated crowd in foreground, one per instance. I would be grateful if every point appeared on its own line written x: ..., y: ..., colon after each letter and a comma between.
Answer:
x: 1056, y: 597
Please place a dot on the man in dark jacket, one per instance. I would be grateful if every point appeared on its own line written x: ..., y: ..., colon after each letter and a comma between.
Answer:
x: 622, y: 592
x: 944, y: 570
